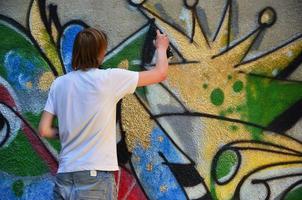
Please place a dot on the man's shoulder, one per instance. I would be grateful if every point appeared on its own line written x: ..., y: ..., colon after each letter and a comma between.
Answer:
x: 62, y: 79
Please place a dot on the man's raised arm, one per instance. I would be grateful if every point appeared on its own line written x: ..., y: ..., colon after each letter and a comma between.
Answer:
x: 160, y: 71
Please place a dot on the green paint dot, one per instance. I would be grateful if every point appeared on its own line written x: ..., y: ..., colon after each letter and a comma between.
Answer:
x: 230, y: 110
x: 217, y: 97
x: 295, y: 194
x: 238, y: 86
x: 239, y: 108
x: 205, y: 86
x: 226, y: 164
x: 18, y: 188
x: 230, y: 77
x: 233, y: 128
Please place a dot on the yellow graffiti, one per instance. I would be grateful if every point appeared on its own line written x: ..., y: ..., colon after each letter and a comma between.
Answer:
x: 194, y: 83
x: 45, y: 81
x: 43, y: 38
x: 136, y: 122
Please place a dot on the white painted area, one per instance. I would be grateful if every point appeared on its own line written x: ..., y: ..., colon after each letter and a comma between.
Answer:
x: 296, y: 130
x: 136, y: 62
x: 275, y: 72
x: 3, y: 132
x: 186, y: 16
x: 228, y: 176
x: 14, y: 121
x: 137, y: 1
x: 14, y: 124
x: 290, y: 54
x: 258, y: 191
x: 196, y: 191
x: 157, y: 96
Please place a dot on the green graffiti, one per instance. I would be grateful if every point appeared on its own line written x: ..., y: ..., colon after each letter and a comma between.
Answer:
x: 18, y: 188
x: 225, y: 164
x: 213, y: 189
x: 217, y: 97
x: 238, y: 86
x: 266, y: 99
x: 20, y: 159
x: 17, y: 42
x: 233, y: 128
x: 239, y: 108
x: 295, y: 194
x: 230, y: 110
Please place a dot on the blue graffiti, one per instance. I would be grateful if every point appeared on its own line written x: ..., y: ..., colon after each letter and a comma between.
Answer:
x: 66, y: 44
x: 156, y: 177
x: 34, y: 187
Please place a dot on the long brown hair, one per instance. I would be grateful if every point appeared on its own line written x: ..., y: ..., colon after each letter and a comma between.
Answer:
x: 88, y: 46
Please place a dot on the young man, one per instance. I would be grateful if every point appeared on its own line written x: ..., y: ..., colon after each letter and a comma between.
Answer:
x: 84, y: 102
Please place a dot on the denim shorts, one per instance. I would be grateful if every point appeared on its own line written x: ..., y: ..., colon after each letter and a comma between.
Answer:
x: 85, y: 185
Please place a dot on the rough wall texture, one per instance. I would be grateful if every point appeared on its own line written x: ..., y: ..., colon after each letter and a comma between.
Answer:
x: 226, y: 124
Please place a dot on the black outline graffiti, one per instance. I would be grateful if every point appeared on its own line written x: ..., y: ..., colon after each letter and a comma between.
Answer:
x: 161, y: 127
x: 232, y: 146
x: 265, y: 182
x: 54, y: 18
x: 257, y: 31
x: 3, y: 122
x: 274, y: 15
x: 288, y: 118
x: 195, y: 16
x: 227, y: 6
x: 47, y: 23
x: 273, y: 50
x: 184, y: 171
x: 215, y: 162
x: 237, y: 191
x: 291, y: 67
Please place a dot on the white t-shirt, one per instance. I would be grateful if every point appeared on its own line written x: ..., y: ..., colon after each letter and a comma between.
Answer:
x: 85, y: 104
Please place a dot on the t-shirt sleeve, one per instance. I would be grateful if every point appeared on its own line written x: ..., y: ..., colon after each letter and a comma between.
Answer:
x: 50, y: 103
x: 123, y: 82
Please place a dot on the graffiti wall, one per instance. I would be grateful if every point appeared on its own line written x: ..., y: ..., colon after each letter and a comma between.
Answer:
x: 226, y: 124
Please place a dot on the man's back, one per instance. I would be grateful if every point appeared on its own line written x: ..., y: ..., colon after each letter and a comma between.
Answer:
x: 85, y: 104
